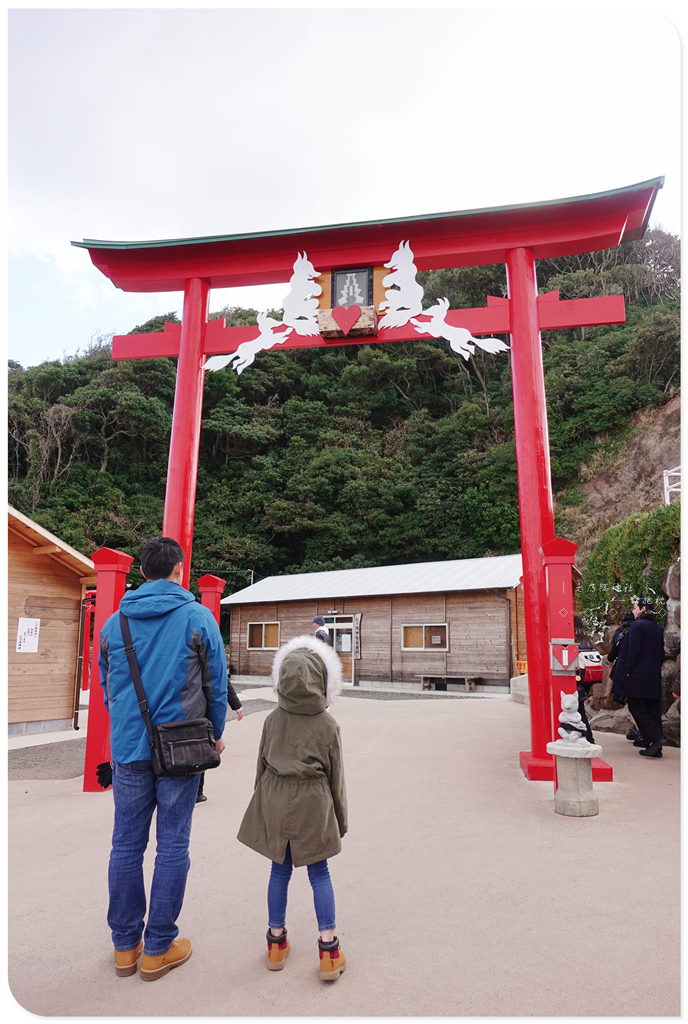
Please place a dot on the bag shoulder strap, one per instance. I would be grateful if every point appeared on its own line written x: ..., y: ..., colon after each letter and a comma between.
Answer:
x: 130, y: 652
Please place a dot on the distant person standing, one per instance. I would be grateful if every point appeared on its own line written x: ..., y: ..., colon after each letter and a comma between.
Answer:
x: 638, y: 675
x: 321, y: 630
x: 589, y: 671
x: 626, y: 620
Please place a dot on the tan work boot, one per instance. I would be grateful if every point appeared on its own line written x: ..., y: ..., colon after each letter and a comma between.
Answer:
x: 125, y: 963
x: 153, y: 967
x: 332, y: 960
x: 278, y: 950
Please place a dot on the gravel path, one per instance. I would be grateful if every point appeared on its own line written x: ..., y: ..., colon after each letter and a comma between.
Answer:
x: 66, y: 760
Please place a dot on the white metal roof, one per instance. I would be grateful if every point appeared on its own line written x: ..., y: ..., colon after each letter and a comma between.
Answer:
x: 503, y: 571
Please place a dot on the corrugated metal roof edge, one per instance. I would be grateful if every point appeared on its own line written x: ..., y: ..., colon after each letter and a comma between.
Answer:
x: 242, y: 596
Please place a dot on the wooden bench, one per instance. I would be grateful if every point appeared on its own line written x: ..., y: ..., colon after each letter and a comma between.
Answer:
x: 428, y: 679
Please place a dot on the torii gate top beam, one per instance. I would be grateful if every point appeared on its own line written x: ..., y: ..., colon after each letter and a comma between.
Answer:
x: 470, y: 238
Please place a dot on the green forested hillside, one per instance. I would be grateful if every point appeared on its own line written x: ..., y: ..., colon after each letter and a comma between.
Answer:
x: 342, y: 457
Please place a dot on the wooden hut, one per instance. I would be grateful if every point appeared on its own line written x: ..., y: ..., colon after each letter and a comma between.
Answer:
x: 47, y: 581
x: 455, y: 625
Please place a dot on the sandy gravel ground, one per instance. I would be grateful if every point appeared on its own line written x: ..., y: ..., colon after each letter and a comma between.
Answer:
x: 459, y: 890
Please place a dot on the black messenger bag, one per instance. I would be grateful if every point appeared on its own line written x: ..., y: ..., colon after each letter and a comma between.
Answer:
x: 177, y: 748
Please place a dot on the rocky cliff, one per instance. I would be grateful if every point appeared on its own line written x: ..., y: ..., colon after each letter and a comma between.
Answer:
x: 632, y: 483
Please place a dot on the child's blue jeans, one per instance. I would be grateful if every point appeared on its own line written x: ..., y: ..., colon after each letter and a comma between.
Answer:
x: 323, y: 893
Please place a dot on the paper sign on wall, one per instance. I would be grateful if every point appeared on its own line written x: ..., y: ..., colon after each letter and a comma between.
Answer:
x: 346, y: 643
x: 27, y: 636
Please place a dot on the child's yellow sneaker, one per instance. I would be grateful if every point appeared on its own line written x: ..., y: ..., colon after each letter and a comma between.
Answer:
x: 278, y: 950
x: 332, y: 960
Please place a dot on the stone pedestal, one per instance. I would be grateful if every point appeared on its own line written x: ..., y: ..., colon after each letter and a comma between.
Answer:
x: 575, y: 795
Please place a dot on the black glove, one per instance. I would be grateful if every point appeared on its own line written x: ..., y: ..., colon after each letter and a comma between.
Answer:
x: 104, y: 774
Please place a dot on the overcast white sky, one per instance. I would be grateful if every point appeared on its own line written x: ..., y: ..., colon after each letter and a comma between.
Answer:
x: 170, y: 123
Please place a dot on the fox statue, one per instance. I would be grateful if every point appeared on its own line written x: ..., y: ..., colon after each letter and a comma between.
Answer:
x: 403, y: 298
x: 248, y: 350
x: 572, y: 727
x: 300, y: 305
x: 460, y: 339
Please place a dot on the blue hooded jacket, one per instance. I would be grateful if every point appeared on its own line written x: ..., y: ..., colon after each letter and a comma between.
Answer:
x: 181, y: 658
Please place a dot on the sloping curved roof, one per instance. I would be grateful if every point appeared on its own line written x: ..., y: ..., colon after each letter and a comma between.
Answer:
x: 467, y: 238
x: 497, y: 572
x: 45, y: 543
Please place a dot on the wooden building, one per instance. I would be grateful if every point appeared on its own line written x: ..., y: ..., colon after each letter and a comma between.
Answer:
x: 47, y: 581
x: 435, y: 624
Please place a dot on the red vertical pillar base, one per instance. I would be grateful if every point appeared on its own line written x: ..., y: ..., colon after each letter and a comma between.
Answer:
x: 540, y: 769
x: 536, y: 769
x: 601, y: 771
x: 211, y: 588
x: 112, y: 567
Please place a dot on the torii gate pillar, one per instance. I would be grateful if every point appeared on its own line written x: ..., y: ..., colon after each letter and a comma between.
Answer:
x: 534, y: 496
x: 112, y: 567
x: 182, y: 466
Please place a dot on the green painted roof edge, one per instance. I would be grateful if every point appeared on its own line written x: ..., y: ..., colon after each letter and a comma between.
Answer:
x: 95, y: 243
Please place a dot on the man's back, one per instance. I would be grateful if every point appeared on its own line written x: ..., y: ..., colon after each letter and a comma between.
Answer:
x: 181, y: 658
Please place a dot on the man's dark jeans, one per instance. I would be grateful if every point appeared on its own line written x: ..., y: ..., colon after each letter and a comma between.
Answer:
x: 137, y: 792
x: 648, y: 717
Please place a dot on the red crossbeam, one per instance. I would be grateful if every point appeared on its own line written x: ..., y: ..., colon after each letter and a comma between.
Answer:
x: 493, y: 318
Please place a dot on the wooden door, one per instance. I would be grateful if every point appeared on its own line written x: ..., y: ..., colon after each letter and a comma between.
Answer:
x: 342, y: 642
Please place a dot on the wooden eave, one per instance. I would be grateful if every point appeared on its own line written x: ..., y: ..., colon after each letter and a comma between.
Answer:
x: 48, y: 544
x: 558, y: 227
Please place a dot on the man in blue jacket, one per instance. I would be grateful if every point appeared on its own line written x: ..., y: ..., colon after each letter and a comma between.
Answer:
x: 181, y: 658
x: 638, y: 676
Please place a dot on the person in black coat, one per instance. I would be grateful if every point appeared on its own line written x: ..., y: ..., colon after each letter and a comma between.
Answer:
x: 321, y: 630
x: 638, y: 675
x: 626, y: 619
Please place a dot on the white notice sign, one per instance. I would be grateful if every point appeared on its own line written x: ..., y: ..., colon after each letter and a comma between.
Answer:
x: 346, y: 643
x: 437, y: 640
x: 27, y: 636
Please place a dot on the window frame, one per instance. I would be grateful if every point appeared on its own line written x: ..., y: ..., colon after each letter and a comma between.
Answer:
x: 262, y: 625
x: 426, y: 625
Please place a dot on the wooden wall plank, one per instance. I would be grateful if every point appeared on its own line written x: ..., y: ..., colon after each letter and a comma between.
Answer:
x: 41, y: 685
x: 477, y: 629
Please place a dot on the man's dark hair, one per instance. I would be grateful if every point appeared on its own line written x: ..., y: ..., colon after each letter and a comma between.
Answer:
x: 645, y: 602
x: 159, y: 557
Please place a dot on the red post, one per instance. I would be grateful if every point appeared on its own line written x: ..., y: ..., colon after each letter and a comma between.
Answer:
x: 211, y: 588
x: 111, y: 567
x: 535, y: 497
x: 182, y: 466
x: 558, y: 557
x: 86, y: 640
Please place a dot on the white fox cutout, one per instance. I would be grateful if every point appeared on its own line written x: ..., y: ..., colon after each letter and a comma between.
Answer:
x: 460, y: 339
x: 404, y: 300
x: 300, y: 307
x: 248, y: 350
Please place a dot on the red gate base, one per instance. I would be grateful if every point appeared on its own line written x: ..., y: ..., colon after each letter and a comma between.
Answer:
x: 541, y: 769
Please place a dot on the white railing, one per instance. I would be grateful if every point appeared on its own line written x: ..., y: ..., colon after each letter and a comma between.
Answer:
x: 672, y: 483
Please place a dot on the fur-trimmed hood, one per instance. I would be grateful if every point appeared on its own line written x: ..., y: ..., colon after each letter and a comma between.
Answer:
x: 307, y: 675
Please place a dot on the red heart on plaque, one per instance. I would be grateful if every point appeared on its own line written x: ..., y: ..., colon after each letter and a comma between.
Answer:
x: 346, y: 316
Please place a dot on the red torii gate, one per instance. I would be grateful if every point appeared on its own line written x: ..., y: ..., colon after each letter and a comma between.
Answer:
x: 514, y: 235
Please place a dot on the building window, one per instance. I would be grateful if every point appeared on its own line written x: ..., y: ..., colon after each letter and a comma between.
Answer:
x: 424, y: 637
x: 263, y: 636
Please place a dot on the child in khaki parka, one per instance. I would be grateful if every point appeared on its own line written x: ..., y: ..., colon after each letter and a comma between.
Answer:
x: 298, y: 812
